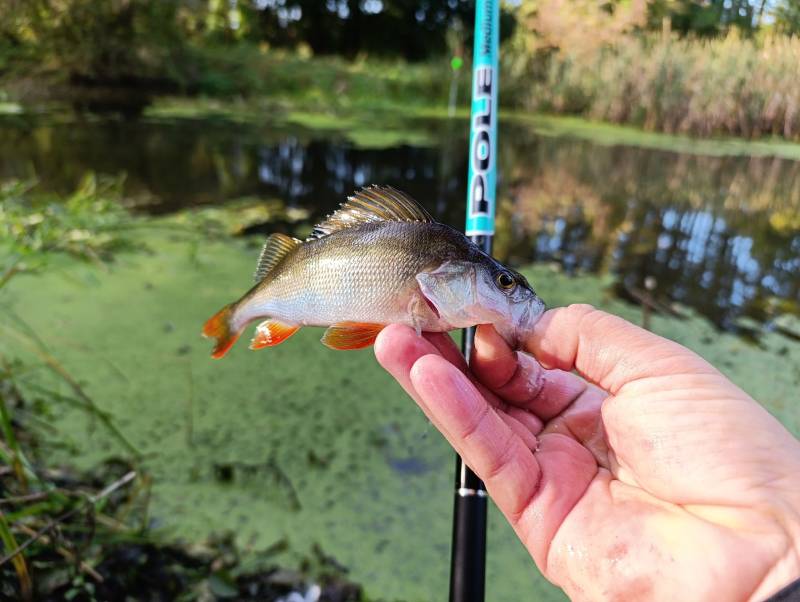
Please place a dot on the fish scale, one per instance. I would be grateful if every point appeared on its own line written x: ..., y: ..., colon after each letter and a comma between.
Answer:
x: 325, y: 281
x: 380, y: 259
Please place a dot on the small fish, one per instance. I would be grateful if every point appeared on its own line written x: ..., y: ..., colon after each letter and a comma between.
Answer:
x: 380, y: 259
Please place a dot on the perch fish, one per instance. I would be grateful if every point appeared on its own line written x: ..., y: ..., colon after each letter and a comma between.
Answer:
x: 380, y: 259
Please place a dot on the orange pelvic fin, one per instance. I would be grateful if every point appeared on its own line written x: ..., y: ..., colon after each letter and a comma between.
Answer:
x: 271, y: 333
x: 351, y: 335
x: 218, y: 327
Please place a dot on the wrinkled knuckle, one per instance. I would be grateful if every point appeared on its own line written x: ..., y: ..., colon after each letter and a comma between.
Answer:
x: 597, y: 322
x: 532, y: 376
x: 579, y: 310
x: 505, y: 374
x: 502, y: 459
x: 475, y: 424
x: 588, y: 315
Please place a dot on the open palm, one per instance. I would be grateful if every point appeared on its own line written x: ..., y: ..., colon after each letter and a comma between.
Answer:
x: 653, y: 477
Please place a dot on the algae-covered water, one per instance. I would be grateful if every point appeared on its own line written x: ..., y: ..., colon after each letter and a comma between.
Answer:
x: 297, y: 445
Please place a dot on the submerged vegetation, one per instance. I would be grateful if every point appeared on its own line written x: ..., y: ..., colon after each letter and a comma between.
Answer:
x: 88, y: 224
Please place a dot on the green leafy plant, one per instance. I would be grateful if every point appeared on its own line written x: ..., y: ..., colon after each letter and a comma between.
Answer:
x: 89, y: 224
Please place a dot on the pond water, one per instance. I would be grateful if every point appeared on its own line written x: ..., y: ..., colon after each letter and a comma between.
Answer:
x: 718, y: 233
x: 299, y: 446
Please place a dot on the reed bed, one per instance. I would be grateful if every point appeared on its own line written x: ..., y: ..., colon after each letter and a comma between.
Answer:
x: 709, y: 87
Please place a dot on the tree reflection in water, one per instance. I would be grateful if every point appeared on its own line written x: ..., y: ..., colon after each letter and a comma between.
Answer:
x: 720, y: 234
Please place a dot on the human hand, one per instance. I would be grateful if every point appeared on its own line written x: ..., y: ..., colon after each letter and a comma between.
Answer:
x: 658, y: 479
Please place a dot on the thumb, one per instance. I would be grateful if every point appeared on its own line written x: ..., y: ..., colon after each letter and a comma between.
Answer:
x: 607, y: 350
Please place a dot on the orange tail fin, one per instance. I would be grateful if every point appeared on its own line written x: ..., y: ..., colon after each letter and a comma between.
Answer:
x: 218, y: 327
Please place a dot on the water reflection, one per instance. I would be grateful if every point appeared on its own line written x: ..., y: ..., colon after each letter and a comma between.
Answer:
x: 721, y: 234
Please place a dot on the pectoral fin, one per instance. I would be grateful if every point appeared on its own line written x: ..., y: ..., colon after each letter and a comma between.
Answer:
x: 271, y: 333
x: 351, y: 335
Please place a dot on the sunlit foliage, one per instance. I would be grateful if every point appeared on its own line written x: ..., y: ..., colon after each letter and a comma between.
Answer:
x: 86, y: 224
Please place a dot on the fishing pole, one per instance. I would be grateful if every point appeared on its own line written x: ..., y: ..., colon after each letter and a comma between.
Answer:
x: 468, y: 555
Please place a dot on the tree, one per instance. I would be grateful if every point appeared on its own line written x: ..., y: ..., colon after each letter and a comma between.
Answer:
x: 94, y: 39
x: 787, y: 17
x: 412, y: 29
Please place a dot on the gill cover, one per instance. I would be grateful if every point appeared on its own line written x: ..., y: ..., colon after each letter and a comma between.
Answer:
x: 452, y: 290
x: 465, y: 293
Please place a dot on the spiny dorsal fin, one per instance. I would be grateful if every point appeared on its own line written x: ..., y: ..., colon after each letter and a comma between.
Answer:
x: 275, y: 249
x: 372, y: 204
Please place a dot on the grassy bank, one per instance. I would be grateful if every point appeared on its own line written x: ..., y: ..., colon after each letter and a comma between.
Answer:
x: 245, y: 71
x: 602, y: 61
x: 321, y: 82
x: 701, y: 88
x: 386, y: 125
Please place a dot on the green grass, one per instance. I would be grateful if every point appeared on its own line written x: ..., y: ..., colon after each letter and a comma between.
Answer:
x: 609, y: 134
x: 409, y: 124
x: 321, y: 82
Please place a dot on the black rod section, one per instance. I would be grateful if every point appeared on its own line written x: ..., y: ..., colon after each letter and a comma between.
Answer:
x: 470, y: 504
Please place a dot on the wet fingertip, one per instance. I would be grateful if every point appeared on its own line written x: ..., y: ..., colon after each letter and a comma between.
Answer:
x: 394, y: 330
x: 488, y: 342
x: 556, y: 328
x: 421, y: 367
x: 444, y: 389
x: 492, y: 361
x: 421, y: 371
x: 432, y: 371
x: 390, y: 341
x: 482, y: 331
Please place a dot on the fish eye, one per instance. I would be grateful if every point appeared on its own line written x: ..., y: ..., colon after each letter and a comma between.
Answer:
x: 505, y: 281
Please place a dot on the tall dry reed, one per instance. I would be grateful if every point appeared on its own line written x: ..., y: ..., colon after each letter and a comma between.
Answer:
x: 730, y: 86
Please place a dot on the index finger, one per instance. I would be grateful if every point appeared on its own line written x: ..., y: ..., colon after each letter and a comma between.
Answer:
x: 519, y: 379
x: 608, y: 350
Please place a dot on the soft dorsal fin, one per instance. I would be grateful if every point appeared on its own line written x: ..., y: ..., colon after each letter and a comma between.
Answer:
x: 275, y: 249
x: 372, y: 204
